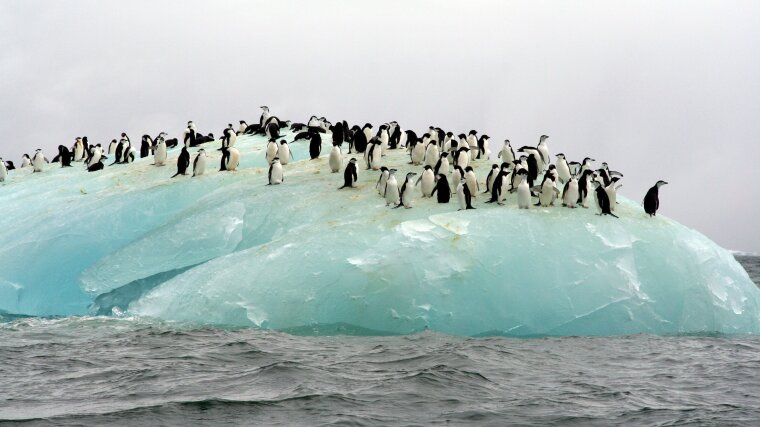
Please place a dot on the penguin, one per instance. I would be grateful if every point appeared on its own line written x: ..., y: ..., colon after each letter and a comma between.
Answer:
x: 548, y: 192
x: 275, y: 172
x: 652, y: 198
x: 373, y: 154
x: 602, y: 201
x: 230, y: 159
x: 383, y: 137
x: 243, y: 126
x: 126, y: 148
x: 457, y: 175
x: 130, y: 156
x: 95, y: 157
x: 391, y: 192
x: 427, y: 179
x: 418, y: 153
x: 464, y: 197
x: 570, y: 194
x: 472, y: 140
x: 26, y: 161
x: 349, y: 175
x: 264, y: 116
x: 563, y: 169
x: 273, y: 129
x: 85, y: 145
x: 472, y: 181
x: 499, y: 185
x: 534, y: 164
x: 442, y: 167
x: 380, y: 186
x: 484, y: 147
x: 112, y: 146
x: 367, y: 130
x: 9, y: 164
x: 407, y: 191
x: 95, y: 166
x: 39, y: 160
x: 3, y: 170
x: 543, y: 149
x: 183, y: 162
x: 523, y: 191
x: 271, y: 151
x: 159, y: 153
x: 359, y: 140
x: 337, y: 133
x: 315, y: 145
x: 583, y: 186
x: 432, y: 154
x: 586, y: 164
x: 492, y: 174
x: 611, y: 190
x: 64, y: 156
x: 145, y: 146
x: 229, y: 137
x: 199, y: 163
x: 189, y: 135
x: 335, y: 160
x: 77, y: 151
x: 462, y: 158
x: 442, y: 188
x: 396, y: 134
x: 283, y: 152
x: 118, y: 151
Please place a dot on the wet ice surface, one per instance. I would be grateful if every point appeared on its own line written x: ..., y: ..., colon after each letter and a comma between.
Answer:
x: 224, y: 249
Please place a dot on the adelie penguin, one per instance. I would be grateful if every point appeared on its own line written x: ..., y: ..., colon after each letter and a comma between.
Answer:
x: 199, y: 163
x: 276, y: 176
x: 652, y: 198
x: 271, y: 151
x: 464, y: 197
x: 427, y: 179
x: 315, y: 145
x: 283, y: 152
x: 183, y: 162
x: 145, y: 146
x: 392, y: 193
x: 349, y: 175
x: 407, y: 191
x: 442, y: 188
x: 380, y: 186
x: 335, y: 160
x: 602, y: 200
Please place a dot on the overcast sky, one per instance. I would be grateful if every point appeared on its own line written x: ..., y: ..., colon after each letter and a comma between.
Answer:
x: 660, y: 90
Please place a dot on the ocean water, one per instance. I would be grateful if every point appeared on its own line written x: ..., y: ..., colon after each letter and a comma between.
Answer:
x: 99, y: 370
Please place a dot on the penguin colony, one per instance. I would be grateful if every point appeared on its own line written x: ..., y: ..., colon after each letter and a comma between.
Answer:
x: 445, y: 162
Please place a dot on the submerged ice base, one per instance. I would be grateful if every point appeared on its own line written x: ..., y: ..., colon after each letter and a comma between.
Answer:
x: 224, y: 249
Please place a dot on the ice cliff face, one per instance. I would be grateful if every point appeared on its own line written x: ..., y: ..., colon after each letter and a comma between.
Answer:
x: 225, y: 249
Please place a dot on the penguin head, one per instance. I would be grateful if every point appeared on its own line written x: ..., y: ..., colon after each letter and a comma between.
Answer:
x: 543, y: 138
x: 392, y: 171
x: 264, y: 108
x: 353, y: 160
x: 383, y: 169
x: 283, y: 142
x: 560, y: 156
x: 660, y: 183
x: 444, y: 154
x: 494, y: 166
x: 473, y: 132
x: 229, y: 126
x: 276, y: 160
x: 409, y: 175
x: 242, y: 122
x: 468, y: 169
x: 588, y: 160
x: 428, y: 167
x: 506, y: 142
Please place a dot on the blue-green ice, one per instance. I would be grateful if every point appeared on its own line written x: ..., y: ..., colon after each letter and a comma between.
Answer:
x: 225, y: 249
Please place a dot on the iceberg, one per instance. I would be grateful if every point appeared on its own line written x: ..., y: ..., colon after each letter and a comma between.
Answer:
x: 224, y: 249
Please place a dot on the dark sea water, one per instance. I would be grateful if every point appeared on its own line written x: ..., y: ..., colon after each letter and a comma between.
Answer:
x: 95, y: 371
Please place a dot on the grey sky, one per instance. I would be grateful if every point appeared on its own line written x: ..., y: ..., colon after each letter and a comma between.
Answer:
x: 665, y: 90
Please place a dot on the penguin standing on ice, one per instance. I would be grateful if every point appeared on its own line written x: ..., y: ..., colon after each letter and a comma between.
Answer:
x: 315, y: 145
x: 491, y: 177
x: 543, y: 149
x: 199, y: 163
x: 64, y: 155
x: 275, y: 172
x: 583, y: 186
x: 464, y: 197
x: 428, y: 181
x: 271, y: 151
x: 183, y: 162
x: 499, y: 185
x: 159, y: 153
x: 407, y: 191
x: 602, y: 200
x: 523, y: 190
x: 484, y: 148
x: 380, y: 186
x: 432, y: 154
x: 230, y: 159
x: 442, y: 167
x: 652, y: 198
x: 335, y: 160
x: 472, y: 181
x: 391, y: 193
x: 3, y: 170
x: 39, y: 161
x: 283, y: 152
x: 442, y: 188
x: 349, y: 175
x: 78, y: 150
x: 145, y: 146
x: 570, y: 193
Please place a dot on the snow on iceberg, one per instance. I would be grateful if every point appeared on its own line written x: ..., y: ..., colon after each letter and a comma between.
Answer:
x: 224, y: 249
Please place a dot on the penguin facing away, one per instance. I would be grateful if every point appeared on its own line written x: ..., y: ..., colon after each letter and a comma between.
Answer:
x: 442, y: 188
x: 602, y: 200
x: 183, y: 161
x: 463, y: 196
